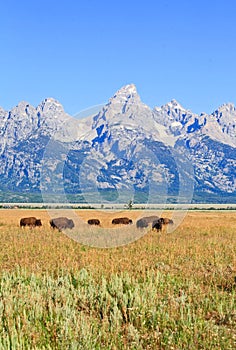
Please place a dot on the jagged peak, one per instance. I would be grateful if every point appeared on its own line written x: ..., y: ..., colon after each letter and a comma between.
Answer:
x: 50, y: 103
x: 127, y: 92
x: 50, y: 100
x: 129, y: 88
x: 21, y: 107
x: 174, y: 104
x: 2, y: 110
x: 22, y: 104
x: 228, y: 107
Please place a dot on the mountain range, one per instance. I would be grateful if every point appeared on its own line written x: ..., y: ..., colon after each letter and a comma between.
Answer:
x: 125, y: 151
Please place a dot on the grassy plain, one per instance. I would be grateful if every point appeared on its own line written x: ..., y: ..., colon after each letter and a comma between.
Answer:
x: 163, y: 291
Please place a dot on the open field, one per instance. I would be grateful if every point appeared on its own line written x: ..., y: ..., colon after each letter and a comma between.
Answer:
x: 163, y: 291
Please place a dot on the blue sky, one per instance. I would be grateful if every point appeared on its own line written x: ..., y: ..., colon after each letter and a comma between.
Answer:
x: 82, y: 52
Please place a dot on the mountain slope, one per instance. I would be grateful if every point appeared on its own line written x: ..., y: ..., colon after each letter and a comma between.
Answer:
x: 126, y: 150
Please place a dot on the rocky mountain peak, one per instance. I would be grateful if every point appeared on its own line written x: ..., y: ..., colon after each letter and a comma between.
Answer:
x: 172, y: 114
x: 50, y: 105
x: 23, y: 104
x: 124, y: 108
x: 2, y: 111
x: 127, y: 94
x: 22, y: 108
x: 175, y: 104
x: 122, y: 147
x: 226, y: 114
x: 127, y: 89
x: 229, y: 107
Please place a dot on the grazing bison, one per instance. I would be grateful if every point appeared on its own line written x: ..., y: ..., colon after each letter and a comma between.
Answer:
x: 141, y: 223
x: 145, y: 221
x: 62, y: 223
x: 166, y: 221
x: 123, y: 221
x: 94, y: 222
x: 151, y: 218
x: 157, y: 225
x: 31, y: 221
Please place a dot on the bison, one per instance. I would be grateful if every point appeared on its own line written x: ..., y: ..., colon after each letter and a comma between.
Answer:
x: 157, y: 225
x: 31, y: 221
x: 151, y: 218
x: 123, y: 221
x: 141, y: 223
x: 145, y: 221
x: 166, y: 221
x: 62, y: 223
x: 94, y: 222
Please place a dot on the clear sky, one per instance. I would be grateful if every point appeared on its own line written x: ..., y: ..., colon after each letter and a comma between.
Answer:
x: 82, y: 52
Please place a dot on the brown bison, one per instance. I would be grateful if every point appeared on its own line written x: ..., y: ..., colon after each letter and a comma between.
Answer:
x: 145, y: 221
x: 123, y: 221
x: 157, y: 225
x: 62, y: 223
x: 166, y: 221
x: 31, y: 221
x: 94, y: 222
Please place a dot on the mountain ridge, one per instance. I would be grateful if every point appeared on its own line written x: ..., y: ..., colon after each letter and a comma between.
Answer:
x: 129, y: 89
x: 126, y: 146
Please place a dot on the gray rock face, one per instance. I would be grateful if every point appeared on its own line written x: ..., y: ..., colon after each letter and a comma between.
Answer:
x: 211, y: 141
x: 125, y: 149
x: 226, y: 119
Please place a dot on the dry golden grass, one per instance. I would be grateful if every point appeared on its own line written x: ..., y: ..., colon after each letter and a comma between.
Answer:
x: 163, y: 291
x: 201, y: 238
